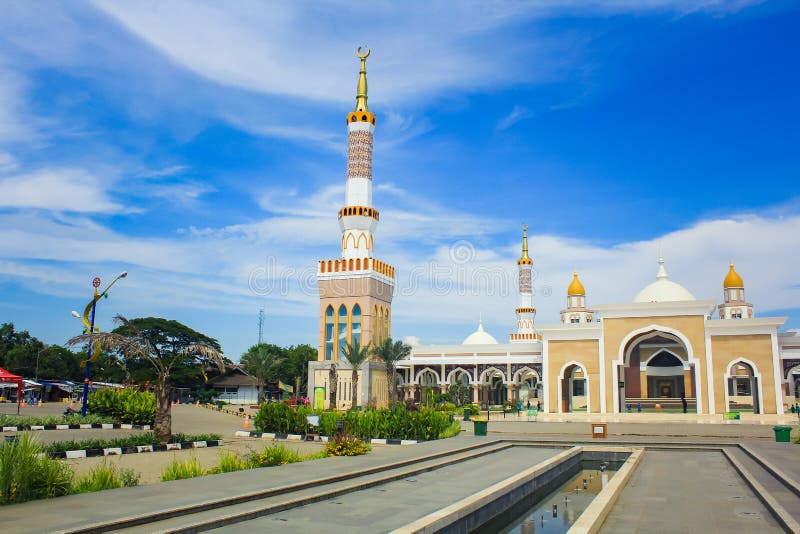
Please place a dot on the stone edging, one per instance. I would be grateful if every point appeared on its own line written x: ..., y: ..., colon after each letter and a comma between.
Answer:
x: 156, y: 447
x: 324, y: 439
x: 443, y: 519
x: 595, y: 514
x: 76, y: 426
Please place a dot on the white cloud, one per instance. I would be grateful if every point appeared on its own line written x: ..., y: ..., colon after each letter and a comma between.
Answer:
x: 517, y: 114
x: 57, y: 189
x: 8, y: 163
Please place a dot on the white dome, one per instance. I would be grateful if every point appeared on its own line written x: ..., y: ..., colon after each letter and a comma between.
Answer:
x: 480, y: 337
x: 663, y: 289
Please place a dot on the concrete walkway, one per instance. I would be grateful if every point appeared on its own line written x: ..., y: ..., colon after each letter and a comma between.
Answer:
x: 674, y: 492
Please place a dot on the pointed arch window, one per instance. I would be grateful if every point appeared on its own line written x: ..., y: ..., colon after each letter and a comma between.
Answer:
x: 342, y: 330
x: 355, y: 335
x: 329, y: 333
x: 386, y: 324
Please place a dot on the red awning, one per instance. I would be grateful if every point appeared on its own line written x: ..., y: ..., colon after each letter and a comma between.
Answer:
x: 5, y: 376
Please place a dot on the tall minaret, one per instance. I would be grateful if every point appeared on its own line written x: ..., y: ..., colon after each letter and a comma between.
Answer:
x: 576, y: 311
x: 735, y: 305
x: 526, y: 313
x: 358, y: 218
x: 355, y: 291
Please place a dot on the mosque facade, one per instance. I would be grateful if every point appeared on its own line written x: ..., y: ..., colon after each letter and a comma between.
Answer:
x: 655, y: 353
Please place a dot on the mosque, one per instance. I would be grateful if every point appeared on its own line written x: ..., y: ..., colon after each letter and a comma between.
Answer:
x: 655, y: 352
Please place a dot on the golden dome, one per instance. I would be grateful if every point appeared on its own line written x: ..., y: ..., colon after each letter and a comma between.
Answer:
x: 733, y: 279
x: 575, y: 288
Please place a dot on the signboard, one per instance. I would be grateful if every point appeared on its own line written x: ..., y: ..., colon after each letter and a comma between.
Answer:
x: 533, y: 412
x: 312, y: 420
x: 319, y: 397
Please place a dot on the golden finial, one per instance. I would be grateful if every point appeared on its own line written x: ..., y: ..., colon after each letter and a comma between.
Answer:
x: 361, y: 92
x: 525, y: 258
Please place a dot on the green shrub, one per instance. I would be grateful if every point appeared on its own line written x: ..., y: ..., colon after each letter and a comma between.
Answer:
x: 386, y: 423
x: 106, y: 476
x: 273, y: 455
x: 180, y: 469
x: 346, y: 445
x: 147, y: 438
x: 128, y: 405
x: 453, y: 430
x: 473, y: 408
x: 26, y: 474
x: 230, y: 462
x: 28, y: 421
x: 447, y: 407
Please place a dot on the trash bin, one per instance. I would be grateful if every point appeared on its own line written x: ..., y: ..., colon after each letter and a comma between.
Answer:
x: 467, y: 414
x: 479, y: 428
x: 782, y: 433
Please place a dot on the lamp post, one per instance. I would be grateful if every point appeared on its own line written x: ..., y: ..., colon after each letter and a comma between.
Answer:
x: 89, y: 323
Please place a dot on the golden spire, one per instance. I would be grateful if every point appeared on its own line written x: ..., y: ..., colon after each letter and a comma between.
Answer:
x: 525, y: 259
x: 733, y: 279
x: 361, y: 92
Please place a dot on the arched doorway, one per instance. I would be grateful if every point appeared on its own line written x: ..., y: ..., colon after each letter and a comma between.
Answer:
x: 529, y: 386
x: 494, y: 387
x: 742, y: 388
x: 459, y: 387
x: 428, y: 385
x: 574, y: 386
x: 656, y: 373
x: 664, y: 372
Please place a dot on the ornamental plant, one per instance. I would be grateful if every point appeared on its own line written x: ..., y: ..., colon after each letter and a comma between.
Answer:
x: 126, y: 405
x: 346, y: 445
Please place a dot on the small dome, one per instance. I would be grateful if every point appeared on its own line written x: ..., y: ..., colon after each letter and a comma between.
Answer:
x: 733, y: 279
x: 480, y: 337
x: 663, y: 289
x: 575, y: 288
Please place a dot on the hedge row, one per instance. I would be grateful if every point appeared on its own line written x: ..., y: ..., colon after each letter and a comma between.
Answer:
x: 383, y: 423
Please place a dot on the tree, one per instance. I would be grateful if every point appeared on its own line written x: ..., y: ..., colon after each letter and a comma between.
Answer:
x: 390, y: 353
x: 262, y: 361
x: 356, y: 354
x: 162, y: 345
x: 295, y: 366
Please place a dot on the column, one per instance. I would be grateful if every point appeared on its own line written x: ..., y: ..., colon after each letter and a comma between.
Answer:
x: 476, y: 394
x: 643, y: 384
x: 443, y: 388
x: 687, y: 382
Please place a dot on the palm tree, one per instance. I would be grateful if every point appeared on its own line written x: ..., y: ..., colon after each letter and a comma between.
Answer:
x: 262, y: 361
x: 356, y: 354
x: 157, y: 343
x: 390, y: 352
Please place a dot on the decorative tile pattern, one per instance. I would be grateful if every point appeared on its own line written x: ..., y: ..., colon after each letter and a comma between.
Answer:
x: 359, y: 155
x: 524, y: 279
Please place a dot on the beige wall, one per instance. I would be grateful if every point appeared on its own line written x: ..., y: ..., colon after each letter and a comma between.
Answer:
x: 560, y: 352
x: 366, y: 292
x: 616, y: 329
x: 756, y: 348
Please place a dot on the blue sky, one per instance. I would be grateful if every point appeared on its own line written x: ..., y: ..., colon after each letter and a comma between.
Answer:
x: 203, y: 150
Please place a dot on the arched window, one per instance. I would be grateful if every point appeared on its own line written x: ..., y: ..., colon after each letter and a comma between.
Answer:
x: 375, y: 325
x: 386, y: 324
x: 329, y: 333
x: 356, y: 325
x: 342, y: 330
x: 380, y: 325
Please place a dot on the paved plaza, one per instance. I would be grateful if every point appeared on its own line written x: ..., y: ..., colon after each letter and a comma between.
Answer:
x: 701, y: 483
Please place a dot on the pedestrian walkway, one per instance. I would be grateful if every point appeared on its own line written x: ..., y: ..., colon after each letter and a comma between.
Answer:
x: 672, y: 491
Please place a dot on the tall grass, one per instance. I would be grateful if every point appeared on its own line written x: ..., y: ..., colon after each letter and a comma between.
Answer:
x: 180, y: 469
x: 106, y: 476
x: 26, y: 474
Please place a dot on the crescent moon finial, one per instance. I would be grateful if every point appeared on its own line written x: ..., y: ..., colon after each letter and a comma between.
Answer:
x: 365, y: 55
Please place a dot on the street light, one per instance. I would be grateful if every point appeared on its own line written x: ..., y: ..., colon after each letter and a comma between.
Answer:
x: 89, y: 324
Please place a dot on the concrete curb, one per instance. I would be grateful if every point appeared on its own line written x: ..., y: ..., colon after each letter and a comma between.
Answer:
x: 156, y: 447
x: 785, y: 479
x: 82, y: 426
x: 595, y: 514
x: 444, y: 518
x: 780, y: 513
x: 324, y: 439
